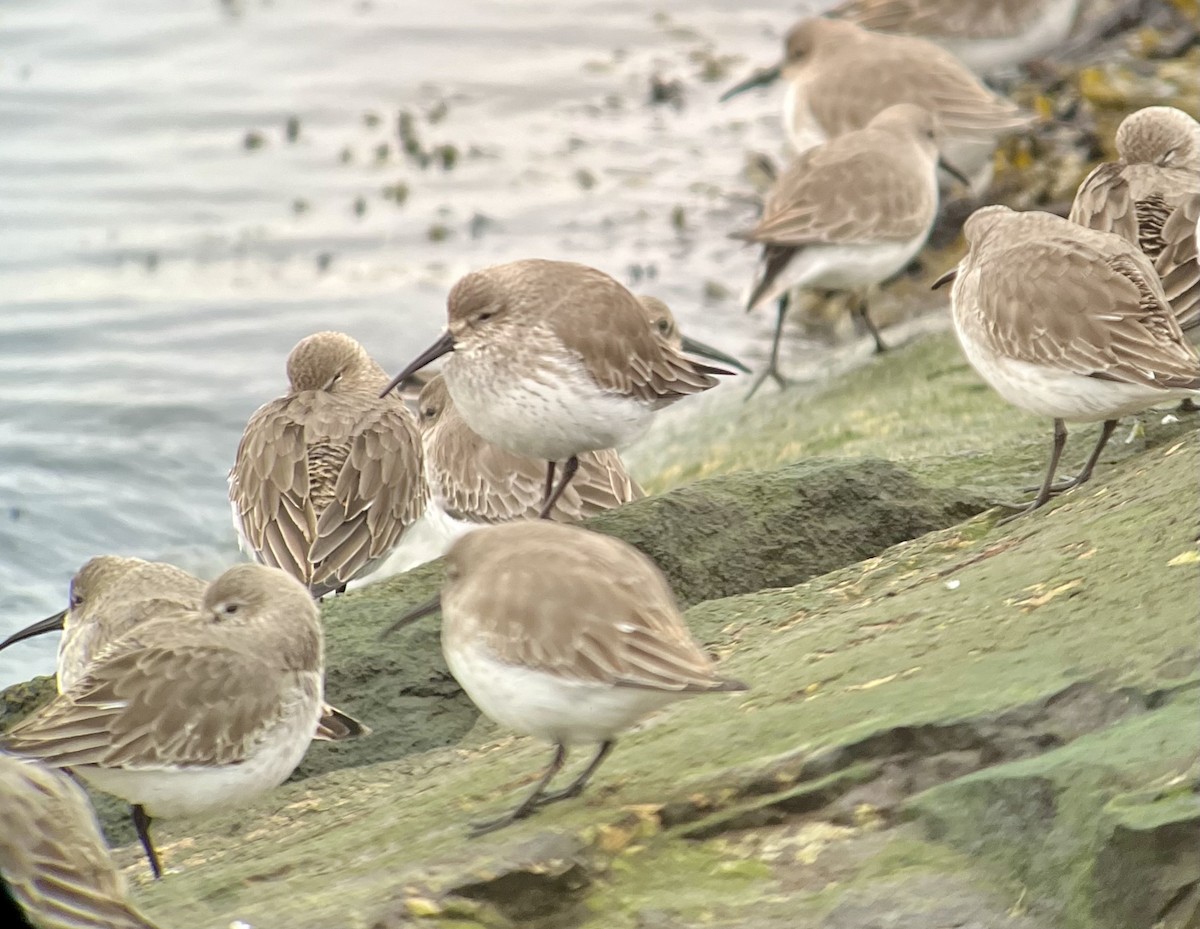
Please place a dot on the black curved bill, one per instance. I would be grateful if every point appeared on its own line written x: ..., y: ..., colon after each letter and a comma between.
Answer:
x: 442, y: 346
x: 953, y: 172
x: 41, y: 627
x: 692, y: 347
x: 417, y: 612
x: 760, y: 78
x: 945, y: 279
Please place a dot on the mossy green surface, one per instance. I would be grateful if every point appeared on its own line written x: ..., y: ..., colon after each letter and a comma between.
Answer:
x: 956, y: 652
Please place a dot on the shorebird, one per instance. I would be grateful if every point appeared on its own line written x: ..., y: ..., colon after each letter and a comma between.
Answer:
x: 566, y: 635
x: 847, y: 215
x: 53, y: 861
x: 195, y: 711
x: 550, y: 359
x: 1157, y: 174
x: 839, y: 76
x: 1066, y: 322
x: 328, y: 477
x: 988, y: 36
x: 109, y: 596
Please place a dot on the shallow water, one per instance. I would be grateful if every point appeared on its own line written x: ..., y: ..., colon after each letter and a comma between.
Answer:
x: 157, y: 270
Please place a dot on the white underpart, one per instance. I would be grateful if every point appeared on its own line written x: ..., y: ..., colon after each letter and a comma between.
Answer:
x: 1042, y: 36
x: 548, y: 706
x: 544, y: 405
x: 842, y: 267
x: 426, y: 539
x: 1050, y: 391
x: 187, y: 791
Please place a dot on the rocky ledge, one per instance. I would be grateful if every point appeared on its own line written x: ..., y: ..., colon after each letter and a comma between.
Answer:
x: 951, y: 721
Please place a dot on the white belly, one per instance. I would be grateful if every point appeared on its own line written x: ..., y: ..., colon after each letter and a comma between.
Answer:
x: 843, y: 267
x: 546, y: 706
x: 187, y: 791
x: 802, y: 128
x: 552, y: 413
x: 1059, y: 394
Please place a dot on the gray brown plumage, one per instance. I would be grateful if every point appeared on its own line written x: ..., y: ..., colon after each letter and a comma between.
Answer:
x: 1067, y: 322
x: 840, y: 76
x: 587, y: 313
x: 566, y: 635
x: 988, y: 35
x: 52, y: 857
x: 1157, y: 173
x: 551, y: 359
x: 111, y: 595
x: 193, y: 711
x: 1178, y: 265
x: 329, y: 476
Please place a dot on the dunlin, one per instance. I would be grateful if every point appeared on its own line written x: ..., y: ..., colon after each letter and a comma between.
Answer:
x: 53, y: 861
x: 840, y: 76
x: 1066, y: 322
x: 847, y: 215
x: 565, y: 635
x: 197, y: 712
x: 988, y: 36
x: 1158, y: 172
x: 473, y: 482
x: 109, y: 596
x: 550, y: 359
x: 1178, y: 265
x: 329, y: 476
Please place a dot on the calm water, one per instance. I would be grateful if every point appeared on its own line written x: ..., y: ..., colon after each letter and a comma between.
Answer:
x: 156, y: 270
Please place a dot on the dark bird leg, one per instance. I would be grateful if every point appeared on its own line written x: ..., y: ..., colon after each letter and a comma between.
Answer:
x: 530, y: 803
x: 772, y: 370
x: 141, y: 823
x: 569, y: 469
x: 1083, y: 476
x: 1060, y: 441
x: 575, y: 788
x: 549, y: 483
x: 859, y: 311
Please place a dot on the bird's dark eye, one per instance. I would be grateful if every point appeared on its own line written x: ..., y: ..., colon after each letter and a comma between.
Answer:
x: 76, y: 599
x: 484, y: 317
x: 230, y: 608
x: 663, y: 326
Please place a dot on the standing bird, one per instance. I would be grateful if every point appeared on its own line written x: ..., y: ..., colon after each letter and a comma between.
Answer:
x: 109, y: 596
x: 1066, y: 322
x: 989, y: 36
x: 840, y: 76
x: 201, y: 710
x: 566, y: 635
x: 329, y: 476
x: 53, y: 861
x: 550, y: 359
x: 1157, y: 174
x: 847, y: 215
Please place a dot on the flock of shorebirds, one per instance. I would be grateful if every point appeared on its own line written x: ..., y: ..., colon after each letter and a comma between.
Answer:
x: 181, y: 697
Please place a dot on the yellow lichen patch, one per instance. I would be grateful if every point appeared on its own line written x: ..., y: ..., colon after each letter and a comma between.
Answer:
x: 1185, y: 558
x: 422, y: 907
x: 1041, y: 599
